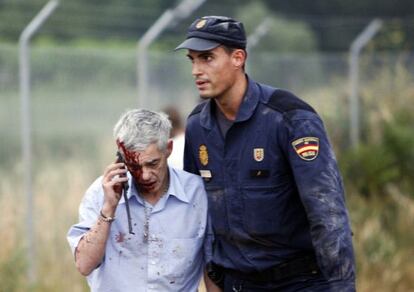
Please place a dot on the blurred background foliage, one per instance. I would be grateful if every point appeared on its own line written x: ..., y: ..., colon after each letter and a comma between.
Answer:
x: 325, y: 25
x: 84, y: 76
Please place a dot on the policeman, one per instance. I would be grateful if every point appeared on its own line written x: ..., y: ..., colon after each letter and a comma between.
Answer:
x: 276, y: 197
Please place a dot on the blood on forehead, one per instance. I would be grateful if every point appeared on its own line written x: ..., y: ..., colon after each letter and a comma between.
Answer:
x: 130, y: 156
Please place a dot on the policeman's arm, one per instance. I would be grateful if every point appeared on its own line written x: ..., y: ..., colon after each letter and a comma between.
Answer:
x: 189, y: 159
x: 321, y: 191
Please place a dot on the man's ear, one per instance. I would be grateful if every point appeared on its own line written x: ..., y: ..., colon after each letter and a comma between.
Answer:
x: 239, y: 58
x: 169, y: 147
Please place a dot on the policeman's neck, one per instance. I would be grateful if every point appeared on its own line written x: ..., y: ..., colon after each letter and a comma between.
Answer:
x: 229, y: 102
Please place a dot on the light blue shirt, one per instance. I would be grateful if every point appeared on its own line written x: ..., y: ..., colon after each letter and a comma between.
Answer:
x: 172, y: 257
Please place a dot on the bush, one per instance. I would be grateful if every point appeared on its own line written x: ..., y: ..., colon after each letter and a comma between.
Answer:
x: 374, y: 165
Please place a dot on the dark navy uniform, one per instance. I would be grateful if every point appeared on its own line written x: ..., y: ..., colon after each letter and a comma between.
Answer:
x: 276, y: 197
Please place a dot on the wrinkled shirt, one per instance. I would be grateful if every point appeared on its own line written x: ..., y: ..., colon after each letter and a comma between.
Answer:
x: 275, y: 191
x: 172, y: 257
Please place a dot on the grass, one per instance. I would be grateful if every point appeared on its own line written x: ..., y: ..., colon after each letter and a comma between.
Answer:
x: 72, y: 145
x: 383, y: 232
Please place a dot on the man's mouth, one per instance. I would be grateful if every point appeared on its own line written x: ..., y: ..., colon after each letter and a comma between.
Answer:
x: 201, y: 83
x: 148, y: 185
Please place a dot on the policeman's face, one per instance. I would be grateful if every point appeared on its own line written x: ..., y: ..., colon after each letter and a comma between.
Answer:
x: 215, y: 71
x: 149, y: 168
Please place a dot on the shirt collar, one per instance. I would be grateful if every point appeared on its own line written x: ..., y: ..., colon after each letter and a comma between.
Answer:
x: 176, y: 189
x: 246, y: 109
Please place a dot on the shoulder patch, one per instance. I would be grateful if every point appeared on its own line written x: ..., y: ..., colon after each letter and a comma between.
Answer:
x: 306, y: 147
x: 284, y: 101
x: 198, y: 108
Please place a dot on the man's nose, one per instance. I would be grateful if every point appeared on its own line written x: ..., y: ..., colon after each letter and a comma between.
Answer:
x: 145, y: 174
x: 195, y: 69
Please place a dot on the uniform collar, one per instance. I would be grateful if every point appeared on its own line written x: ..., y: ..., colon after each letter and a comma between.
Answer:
x: 246, y: 109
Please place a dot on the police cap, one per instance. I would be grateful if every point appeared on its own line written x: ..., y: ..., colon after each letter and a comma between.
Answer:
x: 208, y: 32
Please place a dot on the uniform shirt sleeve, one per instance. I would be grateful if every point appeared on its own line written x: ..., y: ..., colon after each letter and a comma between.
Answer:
x: 189, y: 159
x: 321, y: 191
x: 88, y: 214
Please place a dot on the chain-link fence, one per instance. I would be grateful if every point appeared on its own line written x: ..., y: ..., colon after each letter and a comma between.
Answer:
x: 79, y: 93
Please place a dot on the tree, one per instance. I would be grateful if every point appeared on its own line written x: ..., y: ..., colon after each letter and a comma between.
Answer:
x: 283, y: 35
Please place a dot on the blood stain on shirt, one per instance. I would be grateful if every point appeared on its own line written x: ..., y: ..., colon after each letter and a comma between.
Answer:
x: 120, y: 237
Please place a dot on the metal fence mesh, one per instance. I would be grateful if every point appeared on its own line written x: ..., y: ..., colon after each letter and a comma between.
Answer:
x: 78, y: 94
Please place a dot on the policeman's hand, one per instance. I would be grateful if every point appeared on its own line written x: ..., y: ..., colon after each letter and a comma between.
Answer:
x: 113, y: 179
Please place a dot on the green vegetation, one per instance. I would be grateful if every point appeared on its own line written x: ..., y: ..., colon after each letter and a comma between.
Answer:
x: 333, y: 23
x: 75, y: 106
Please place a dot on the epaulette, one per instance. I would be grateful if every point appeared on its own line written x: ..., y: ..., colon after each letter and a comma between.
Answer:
x: 284, y: 101
x: 198, y: 108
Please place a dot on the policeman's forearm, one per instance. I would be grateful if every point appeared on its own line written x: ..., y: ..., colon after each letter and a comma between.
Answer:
x: 91, y: 247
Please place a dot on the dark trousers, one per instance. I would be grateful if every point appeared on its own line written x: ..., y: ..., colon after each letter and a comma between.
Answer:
x: 301, y: 283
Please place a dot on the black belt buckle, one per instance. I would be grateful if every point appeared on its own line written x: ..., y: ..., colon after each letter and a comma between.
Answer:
x: 300, y: 266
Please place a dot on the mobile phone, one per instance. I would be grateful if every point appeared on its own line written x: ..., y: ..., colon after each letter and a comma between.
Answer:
x: 125, y: 187
x: 119, y: 158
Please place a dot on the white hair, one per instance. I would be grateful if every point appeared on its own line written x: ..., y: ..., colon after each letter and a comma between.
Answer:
x: 139, y: 128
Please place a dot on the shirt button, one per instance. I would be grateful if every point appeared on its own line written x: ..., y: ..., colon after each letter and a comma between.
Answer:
x: 153, y: 262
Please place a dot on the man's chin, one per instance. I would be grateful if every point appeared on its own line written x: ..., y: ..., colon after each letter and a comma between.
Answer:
x: 205, y: 96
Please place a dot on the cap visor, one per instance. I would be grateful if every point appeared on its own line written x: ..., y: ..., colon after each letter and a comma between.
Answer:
x: 197, y: 44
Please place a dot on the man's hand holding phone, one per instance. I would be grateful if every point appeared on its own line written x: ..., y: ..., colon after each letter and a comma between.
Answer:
x: 114, y: 178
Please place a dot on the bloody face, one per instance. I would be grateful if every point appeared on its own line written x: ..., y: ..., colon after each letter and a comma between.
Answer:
x: 148, y: 168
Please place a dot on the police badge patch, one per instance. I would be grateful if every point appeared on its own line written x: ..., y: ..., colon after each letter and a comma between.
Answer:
x: 307, y: 147
x: 258, y: 154
x: 201, y: 23
x: 203, y: 154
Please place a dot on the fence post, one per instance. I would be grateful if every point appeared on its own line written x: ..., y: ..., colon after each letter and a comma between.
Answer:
x: 354, y: 103
x: 170, y: 16
x: 24, y: 70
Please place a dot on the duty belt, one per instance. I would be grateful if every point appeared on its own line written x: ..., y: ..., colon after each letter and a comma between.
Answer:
x: 300, y: 266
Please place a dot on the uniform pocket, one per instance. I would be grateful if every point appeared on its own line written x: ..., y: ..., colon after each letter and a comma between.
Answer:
x: 263, y: 210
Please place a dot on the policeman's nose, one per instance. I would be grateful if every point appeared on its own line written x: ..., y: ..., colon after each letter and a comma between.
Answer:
x: 195, y: 70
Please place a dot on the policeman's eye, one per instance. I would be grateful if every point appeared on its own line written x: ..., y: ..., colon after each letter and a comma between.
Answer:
x: 207, y: 58
x: 190, y: 58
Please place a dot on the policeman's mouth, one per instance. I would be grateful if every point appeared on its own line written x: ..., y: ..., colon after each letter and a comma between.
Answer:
x: 201, y: 83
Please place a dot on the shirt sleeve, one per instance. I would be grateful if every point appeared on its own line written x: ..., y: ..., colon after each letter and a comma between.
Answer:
x: 189, y: 160
x: 88, y: 214
x: 320, y: 187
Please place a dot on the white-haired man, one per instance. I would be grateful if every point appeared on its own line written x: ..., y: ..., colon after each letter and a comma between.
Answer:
x: 153, y: 240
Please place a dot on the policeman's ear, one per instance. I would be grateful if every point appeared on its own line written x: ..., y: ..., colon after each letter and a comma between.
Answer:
x: 239, y: 58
